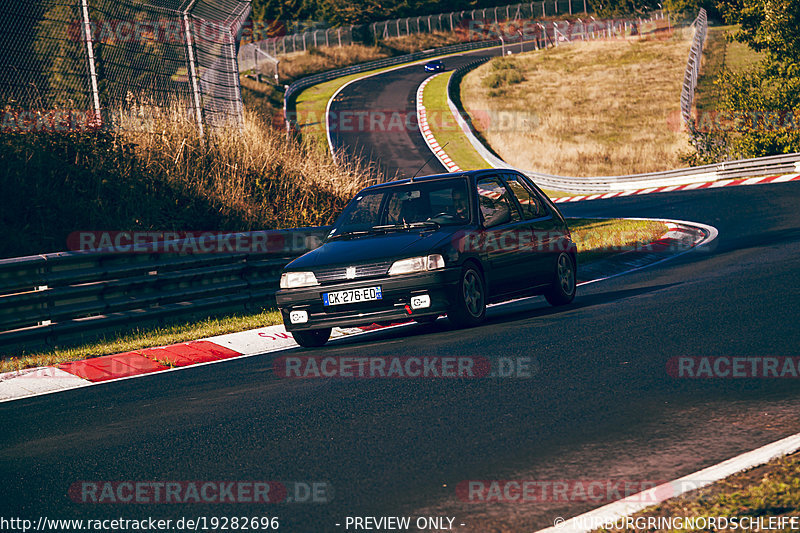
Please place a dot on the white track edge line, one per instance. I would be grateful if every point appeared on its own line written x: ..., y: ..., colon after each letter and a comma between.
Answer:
x: 635, y: 503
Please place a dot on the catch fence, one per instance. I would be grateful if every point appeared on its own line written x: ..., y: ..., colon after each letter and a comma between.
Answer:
x: 693, y: 67
x: 84, y: 63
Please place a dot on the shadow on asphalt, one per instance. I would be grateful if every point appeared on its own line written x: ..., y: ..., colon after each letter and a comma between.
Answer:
x: 503, y: 314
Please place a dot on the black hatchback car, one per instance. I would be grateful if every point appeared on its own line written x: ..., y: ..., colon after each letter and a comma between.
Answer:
x: 420, y: 248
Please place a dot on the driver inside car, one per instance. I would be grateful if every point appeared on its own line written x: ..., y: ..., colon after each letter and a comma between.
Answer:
x: 460, y: 205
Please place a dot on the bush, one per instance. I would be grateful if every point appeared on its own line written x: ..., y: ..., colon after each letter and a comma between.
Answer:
x: 503, y: 78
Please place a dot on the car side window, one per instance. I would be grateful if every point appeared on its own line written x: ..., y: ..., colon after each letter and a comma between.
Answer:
x: 495, y: 203
x: 531, y: 205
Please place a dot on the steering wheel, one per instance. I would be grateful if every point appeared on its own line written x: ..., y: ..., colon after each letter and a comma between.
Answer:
x: 445, y: 214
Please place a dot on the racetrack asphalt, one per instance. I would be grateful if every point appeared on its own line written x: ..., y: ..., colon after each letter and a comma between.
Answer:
x: 601, y: 406
x: 396, y: 150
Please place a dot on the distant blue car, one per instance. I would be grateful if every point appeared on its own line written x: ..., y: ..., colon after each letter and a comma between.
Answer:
x: 434, y: 66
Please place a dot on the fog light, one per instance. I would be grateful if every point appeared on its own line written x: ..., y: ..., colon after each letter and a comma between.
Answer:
x: 298, y: 317
x: 420, y: 302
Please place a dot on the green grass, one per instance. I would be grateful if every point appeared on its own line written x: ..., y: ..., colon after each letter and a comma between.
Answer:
x: 445, y: 128
x: 313, y: 101
x: 770, y: 490
x: 595, y: 239
x: 143, y: 337
x: 719, y: 53
x: 601, y: 238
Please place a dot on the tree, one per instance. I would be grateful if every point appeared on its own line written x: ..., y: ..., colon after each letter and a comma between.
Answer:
x: 763, y: 104
x: 690, y: 8
x: 618, y: 8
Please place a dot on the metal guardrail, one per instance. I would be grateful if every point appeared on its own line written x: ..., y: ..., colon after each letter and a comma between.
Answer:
x: 47, y: 298
x: 693, y: 66
x: 762, y: 166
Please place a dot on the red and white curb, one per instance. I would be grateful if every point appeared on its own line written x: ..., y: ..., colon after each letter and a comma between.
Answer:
x: 613, y: 512
x: 681, y: 238
x: 688, y: 187
x: 45, y: 380
x: 425, y: 129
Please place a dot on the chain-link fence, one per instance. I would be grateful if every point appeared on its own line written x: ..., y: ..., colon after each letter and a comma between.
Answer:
x: 454, y: 21
x: 86, y: 63
x: 693, y: 67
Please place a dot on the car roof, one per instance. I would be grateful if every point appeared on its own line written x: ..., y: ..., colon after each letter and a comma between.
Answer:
x: 432, y: 177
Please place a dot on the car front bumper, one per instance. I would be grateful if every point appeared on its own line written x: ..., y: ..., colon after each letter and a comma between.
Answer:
x: 397, y: 291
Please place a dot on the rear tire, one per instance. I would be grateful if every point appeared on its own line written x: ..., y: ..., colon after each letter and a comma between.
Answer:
x: 469, y: 307
x: 313, y: 338
x: 562, y: 291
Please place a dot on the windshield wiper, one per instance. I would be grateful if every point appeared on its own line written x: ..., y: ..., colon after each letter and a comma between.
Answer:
x: 386, y: 228
x: 413, y: 225
x: 350, y: 234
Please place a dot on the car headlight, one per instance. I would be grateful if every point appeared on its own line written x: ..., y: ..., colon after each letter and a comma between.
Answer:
x: 417, y: 264
x: 294, y: 280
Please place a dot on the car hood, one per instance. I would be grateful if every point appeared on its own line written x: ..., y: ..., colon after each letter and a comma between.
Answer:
x: 374, y: 248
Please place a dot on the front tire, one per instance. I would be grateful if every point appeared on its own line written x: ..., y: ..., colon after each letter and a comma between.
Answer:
x: 469, y: 308
x: 562, y: 291
x: 313, y: 338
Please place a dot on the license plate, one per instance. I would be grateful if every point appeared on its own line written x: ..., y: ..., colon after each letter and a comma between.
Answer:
x: 352, y: 296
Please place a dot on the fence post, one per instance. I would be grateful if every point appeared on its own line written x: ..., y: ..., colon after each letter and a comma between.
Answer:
x: 339, y: 33
x: 87, y: 26
x: 192, y: 63
x: 584, y: 7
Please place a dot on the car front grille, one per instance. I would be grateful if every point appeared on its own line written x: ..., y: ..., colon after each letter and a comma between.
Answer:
x: 371, y: 270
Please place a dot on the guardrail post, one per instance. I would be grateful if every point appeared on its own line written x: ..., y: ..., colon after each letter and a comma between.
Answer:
x: 87, y: 26
x: 191, y: 59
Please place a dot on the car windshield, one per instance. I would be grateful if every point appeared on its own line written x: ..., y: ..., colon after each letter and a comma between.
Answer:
x: 414, y: 205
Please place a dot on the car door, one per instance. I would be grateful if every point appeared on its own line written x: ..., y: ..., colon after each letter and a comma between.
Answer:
x: 500, y: 221
x: 537, y: 234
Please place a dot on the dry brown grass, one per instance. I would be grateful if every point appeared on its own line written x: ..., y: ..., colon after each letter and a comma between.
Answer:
x: 155, y: 173
x: 319, y: 59
x: 598, y: 108
x: 297, y: 65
